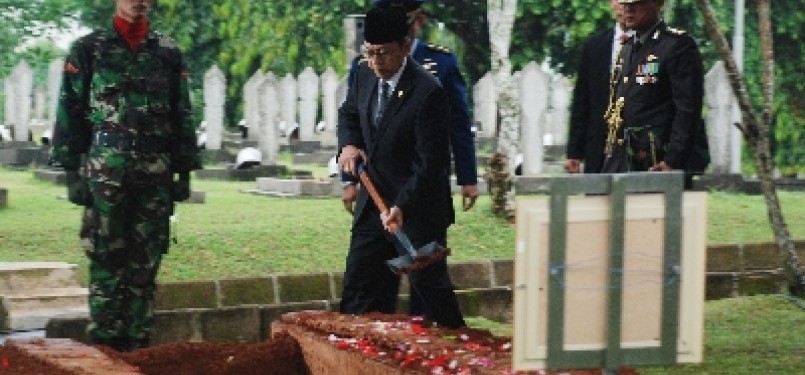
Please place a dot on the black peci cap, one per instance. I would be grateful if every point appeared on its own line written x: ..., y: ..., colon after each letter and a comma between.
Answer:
x: 385, y: 25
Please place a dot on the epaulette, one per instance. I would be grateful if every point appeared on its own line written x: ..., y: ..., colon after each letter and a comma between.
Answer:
x: 676, y: 31
x: 438, y: 48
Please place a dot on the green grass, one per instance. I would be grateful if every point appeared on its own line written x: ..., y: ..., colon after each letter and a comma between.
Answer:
x: 235, y: 234
x: 759, y: 335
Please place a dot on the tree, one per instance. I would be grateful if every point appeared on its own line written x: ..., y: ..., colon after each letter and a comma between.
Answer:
x: 755, y: 129
x: 466, y: 19
x: 21, y: 20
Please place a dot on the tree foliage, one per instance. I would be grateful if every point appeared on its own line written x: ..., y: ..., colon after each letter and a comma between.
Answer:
x: 283, y: 37
x: 24, y: 20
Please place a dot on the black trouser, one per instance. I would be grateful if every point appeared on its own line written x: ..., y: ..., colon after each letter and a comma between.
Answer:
x: 369, y: 284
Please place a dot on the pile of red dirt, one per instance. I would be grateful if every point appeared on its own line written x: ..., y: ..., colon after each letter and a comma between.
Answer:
x: 14, y: 361
x: 405, y: 344
x: 279, y: 356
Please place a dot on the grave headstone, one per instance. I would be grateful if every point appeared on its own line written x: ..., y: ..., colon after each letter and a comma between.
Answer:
x: 485, y: 105
x: 40, y: 102
x: 55, y: 69
x: 214, y: 99
x: 268, y: 141
x: 533, y: 91
x: 717, y: 98
x: 308, y: 103
x: 329, y: 86
x: 288, y: 98
x: 21, y: 84
x: 8, y: 102
x: 251, y: 111
x: 561, y: 92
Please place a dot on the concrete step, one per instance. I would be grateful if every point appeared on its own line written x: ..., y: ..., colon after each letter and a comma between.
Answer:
x: 31, y: 320
x: 17, y: 277
x: 45, y: 299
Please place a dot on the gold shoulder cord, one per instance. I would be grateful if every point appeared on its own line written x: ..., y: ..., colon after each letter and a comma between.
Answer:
x: 613, y: 114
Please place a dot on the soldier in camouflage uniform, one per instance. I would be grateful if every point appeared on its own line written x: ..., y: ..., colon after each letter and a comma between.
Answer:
x: 124, y: 121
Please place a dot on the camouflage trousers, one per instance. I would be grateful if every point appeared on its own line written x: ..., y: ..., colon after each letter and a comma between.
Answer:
x: 124, y: 234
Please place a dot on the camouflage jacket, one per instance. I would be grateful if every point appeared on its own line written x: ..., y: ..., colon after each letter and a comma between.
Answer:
x: 141, y: 97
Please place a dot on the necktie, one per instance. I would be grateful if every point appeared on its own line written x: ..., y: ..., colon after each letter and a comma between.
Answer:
x: 383, y: 98
x: 635, y: 49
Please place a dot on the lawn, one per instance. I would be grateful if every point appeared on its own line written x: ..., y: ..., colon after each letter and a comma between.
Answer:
x: 758, y: 335
x: 236, y: 234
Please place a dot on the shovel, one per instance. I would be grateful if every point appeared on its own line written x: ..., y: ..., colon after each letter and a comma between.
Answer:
x: 410, y: 259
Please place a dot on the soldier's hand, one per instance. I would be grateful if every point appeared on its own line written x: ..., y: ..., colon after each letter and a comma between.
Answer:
x: 573, y: 166
x: 180, y: 189
x: 660, y: 167
x: 469, y: 193
x: 78, y: 189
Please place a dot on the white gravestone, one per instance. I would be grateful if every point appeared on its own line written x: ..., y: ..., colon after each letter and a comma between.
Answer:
x: 214, y: 99
x: 717, y: 98
x: 533, y: 90
x: 251, y: 112
x: 268, y: 141
x: 561, y: 92
x: 342, y: 95
x: 40, y: 103
x: 308, y: 103
x: 8, y: 90
x: 22, y: 81
x: 329, y: 87
x: 55, y: 72
x: 288, y: 103
x: 485, y: 105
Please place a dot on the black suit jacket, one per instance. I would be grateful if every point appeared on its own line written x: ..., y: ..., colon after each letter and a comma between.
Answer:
x: 590, y: 98
x: 662, y: 85
x: 408, y: 152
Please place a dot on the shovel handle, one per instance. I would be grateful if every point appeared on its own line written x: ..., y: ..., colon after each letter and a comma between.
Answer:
x: 373, y: 193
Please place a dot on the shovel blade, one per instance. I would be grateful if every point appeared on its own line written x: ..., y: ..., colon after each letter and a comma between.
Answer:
x: 426, y: 256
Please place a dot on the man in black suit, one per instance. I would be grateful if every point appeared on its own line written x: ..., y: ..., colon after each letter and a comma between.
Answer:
x: 591, y: 95
x: 655, y: 121
x: 395, y: 119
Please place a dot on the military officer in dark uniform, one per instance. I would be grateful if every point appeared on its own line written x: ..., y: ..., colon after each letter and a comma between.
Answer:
x: 654, y: 115
x: 443, y: 64
x: 591, y: 95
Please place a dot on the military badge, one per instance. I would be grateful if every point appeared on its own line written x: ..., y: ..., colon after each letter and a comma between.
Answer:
x: 647, y: 73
